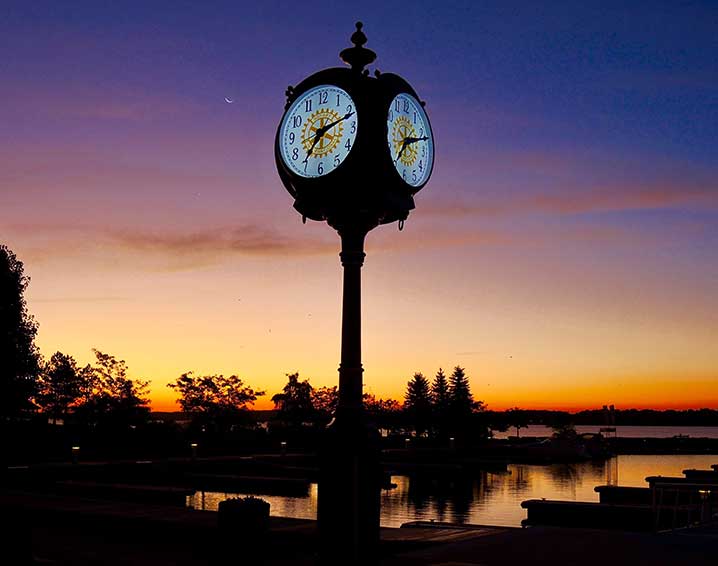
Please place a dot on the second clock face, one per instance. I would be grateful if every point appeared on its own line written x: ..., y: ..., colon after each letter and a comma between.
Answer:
x: 318, y: 131
x: 411, y: 144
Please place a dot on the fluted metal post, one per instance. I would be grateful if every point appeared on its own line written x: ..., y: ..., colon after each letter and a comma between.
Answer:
x: 350, y: 475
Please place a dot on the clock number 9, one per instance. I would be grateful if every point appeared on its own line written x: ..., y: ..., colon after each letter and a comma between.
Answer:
x: 291, y: 138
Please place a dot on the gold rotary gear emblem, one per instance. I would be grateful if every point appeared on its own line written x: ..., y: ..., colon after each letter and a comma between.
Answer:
x: 401, y: 130
x: 329, y: 141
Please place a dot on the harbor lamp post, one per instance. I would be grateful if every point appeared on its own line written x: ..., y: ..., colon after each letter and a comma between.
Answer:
x: 352, y: 150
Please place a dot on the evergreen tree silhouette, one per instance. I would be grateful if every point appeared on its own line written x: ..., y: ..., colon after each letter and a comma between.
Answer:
x: 441, y: 402
x: 417, y: 402
x: 461, y: 400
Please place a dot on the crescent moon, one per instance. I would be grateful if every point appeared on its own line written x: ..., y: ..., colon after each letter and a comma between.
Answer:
x: 228, y: 100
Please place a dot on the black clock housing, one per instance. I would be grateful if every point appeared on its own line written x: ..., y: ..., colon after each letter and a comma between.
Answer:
x: 365, y: 184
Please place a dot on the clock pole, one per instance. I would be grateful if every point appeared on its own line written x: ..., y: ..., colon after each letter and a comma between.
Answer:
x: 350, y: 369
x: 350, y: 472
x: 359, y: 189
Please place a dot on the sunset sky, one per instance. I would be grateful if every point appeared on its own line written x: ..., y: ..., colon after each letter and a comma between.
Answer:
x: 565, y: 251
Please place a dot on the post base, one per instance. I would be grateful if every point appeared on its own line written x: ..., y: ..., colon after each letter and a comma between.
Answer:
x: 349, y: 491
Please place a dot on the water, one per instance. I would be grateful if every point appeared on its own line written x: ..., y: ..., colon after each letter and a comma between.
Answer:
x: 624, y: 431
x: 490, y: 499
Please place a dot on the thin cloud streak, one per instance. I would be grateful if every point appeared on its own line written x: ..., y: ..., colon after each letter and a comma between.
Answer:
x: 614, y: 199
x: 248, y: 239
x: 81, y: 300
x: 166, y: 250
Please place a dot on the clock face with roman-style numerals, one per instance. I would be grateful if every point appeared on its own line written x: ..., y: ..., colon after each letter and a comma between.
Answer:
x: 411, y: 143
x: 318, y: 131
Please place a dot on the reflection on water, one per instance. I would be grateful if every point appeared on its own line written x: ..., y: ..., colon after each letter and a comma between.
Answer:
x: 489, y: 498
x: 279, y: 505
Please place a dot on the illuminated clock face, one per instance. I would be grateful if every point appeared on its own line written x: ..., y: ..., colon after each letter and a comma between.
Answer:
x: 318, y: 131
x: 411, y: 144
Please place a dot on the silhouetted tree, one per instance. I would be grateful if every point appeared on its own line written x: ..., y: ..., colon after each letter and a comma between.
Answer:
x: 294, y: 403
x: 417, y: 403
x: 324, y: 401
x: 462, y: 403
x: 214, y: 399
x: 441, y: 402
x: 111, y: 398
x: 385, y: 413
x: 62, y: 385
x: 460, y: 393
x: 564, y: 429
x: 19, y: 357
x: 517, y: 419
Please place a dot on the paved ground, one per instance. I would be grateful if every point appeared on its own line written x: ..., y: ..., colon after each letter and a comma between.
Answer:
x: 536, y: 546
x: 82, y: 532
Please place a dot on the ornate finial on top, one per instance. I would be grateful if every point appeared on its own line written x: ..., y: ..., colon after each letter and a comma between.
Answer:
x: 358, y: 38
x: 357, y: 57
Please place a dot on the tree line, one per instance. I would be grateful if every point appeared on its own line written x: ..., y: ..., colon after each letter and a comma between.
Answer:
x: 101, y: 395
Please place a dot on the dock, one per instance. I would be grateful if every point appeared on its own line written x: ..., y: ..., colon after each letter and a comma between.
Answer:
x: 667, y: 503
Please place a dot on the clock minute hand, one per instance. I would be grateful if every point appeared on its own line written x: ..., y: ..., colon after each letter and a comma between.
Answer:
x: 323, y: 130
x: 414, y: 140
x: 335, y: 122
x: 407, y: 142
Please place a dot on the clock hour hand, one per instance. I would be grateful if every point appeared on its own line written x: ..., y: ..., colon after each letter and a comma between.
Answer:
x: 315, y: 142
x: 403, y: 147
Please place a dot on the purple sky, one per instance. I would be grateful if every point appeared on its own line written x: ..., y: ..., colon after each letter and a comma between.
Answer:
x: 564, y: 250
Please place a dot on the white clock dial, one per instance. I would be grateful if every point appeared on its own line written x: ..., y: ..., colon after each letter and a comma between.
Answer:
x: 411, y: 143
x: 318, y: 131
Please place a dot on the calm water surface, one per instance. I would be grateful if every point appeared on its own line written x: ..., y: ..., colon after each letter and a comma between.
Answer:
x: 490, y: 499
x: 625, y: 431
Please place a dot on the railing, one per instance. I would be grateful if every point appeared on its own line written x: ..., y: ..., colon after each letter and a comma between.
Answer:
x: 680, y: 504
